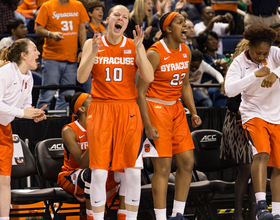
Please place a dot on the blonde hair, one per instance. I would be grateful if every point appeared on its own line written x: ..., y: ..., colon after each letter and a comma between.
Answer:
x: 138, y: 14
x: 241, y: 46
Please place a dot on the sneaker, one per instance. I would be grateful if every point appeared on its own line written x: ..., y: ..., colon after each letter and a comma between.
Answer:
x: 262, y: 212
x: 276, y: 217
x: 179, y: 216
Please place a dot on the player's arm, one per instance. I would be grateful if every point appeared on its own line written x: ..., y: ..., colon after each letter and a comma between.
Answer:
x: 142, y: 62
x: 90, y: 50
x: 142, y: 87
x: 69, y: 139
x: 187, y: 97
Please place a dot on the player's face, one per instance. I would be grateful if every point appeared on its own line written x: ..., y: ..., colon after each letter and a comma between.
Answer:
x: 97, y: 14
x: 87, y: 102
x: 148, y: 7
x: 179, y: 29
x: 118, y: 20
x: 31, y: 56
x: 259, y: 52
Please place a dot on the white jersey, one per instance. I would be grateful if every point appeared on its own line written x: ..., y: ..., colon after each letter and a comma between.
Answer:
x: 15, y: 92
x: 257, y: 101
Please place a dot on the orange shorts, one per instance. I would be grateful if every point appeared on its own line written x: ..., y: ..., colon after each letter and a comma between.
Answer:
x: 264, y: 137
x: 114, y: 130
x: 7, y: 148
x: 68, y: 181
x: 173, y: 129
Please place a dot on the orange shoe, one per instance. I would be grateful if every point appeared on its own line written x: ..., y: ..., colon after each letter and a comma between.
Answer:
x: 90, y: 217
x: 121, y: 216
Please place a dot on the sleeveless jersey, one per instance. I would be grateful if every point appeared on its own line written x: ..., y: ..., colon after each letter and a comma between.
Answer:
x: 70, y: 163
x: 170, y: 73
x: 114, y: 71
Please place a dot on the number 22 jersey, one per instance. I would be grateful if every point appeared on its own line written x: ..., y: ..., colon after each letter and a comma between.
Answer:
x: 170, y: 73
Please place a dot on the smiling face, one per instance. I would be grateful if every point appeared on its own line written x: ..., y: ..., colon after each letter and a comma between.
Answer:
x: 96, y: 14
x: 148, y: 8
x: 117, y: 20
x: 178, y: 29
x: 259, y: 52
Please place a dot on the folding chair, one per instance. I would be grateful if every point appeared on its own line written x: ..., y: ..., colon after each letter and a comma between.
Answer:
x: 207, y: 159
x: 26, y: 168
x: 49, y: 156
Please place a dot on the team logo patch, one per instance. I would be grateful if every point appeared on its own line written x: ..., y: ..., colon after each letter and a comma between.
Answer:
x: 158, y: 106
x: 127, y: 51
x: 185, y: 55
x: 25, y: 86
x: 147, y: 148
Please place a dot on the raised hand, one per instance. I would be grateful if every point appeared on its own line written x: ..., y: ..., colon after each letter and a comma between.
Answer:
x: 138, y: 36
x: 96, y: 40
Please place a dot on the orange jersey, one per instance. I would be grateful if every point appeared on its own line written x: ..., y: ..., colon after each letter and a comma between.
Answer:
x: 225, y: 7
x: 40, y: 2
x: 70, y: 163
x: 27, y: 8
x: 65, y: 19
x: 99, y: 29
x: 114, y: 71
x: 170, y: 73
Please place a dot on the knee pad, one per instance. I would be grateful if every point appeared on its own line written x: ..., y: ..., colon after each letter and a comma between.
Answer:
x: 120, y: 178
x: 133, y: 186
x: 84, y: 180
x: 98, y: 187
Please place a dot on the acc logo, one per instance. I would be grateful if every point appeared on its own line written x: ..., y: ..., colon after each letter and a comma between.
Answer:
x: 55, y: 147
x: 74, y: 176
x: 147, y: 148
x: 15, y: 138
x: 209, y: 138
x: 19, y: 160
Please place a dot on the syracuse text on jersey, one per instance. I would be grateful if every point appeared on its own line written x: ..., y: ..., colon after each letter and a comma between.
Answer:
x: 114, y: 60
x: 174, y: 66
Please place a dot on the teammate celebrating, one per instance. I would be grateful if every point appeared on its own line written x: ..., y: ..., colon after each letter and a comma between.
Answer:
x: 16, y: 84
x: 114, y: 121
x: 76, y: 176
x: 164, y: 117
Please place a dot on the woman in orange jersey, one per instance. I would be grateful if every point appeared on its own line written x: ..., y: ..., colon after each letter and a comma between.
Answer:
x: 76, y: 176
x: 164, y: 117
x: 15, y: 101
x: 114, y: 120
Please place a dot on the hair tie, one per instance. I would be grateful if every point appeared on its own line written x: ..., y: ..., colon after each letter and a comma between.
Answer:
x: 168, y: 20
x: 80, y: 100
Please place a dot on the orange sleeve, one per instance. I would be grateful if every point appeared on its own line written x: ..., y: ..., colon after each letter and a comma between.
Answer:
x: 27, y: 8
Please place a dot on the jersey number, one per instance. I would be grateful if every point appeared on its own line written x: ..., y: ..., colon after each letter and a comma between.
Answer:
x: 117, y: 74
x: 67, y: 25
x: 176, y: 80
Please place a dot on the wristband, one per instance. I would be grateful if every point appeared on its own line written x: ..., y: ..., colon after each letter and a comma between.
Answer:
x: 49, y: 33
